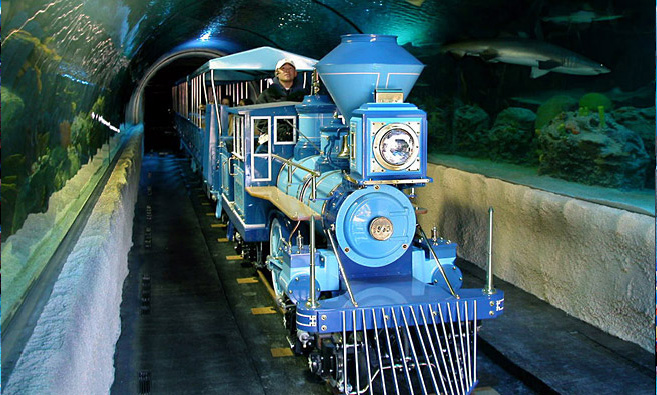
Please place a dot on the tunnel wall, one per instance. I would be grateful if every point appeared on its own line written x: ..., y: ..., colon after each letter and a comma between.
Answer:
x: 72, y: 348
x: 590, y: 260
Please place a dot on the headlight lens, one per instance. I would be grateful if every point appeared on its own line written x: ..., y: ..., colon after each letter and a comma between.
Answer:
x: 396, y: 147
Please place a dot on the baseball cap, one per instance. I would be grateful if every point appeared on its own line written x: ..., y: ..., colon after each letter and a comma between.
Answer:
x: 283, y: 61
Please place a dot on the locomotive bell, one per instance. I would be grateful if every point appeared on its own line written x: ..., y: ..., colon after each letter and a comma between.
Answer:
x: 344, y: 149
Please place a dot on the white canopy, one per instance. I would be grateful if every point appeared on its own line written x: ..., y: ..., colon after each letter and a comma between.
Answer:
x: 253, y: 64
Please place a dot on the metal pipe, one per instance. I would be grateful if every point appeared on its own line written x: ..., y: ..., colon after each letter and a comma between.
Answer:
x: 215, y: 102
x: 435, y: 257
x: 312, y: 301
x: 291, y: 163
x: 378, y: 351
x: 344, y: 275
x: 367, y: 352
x: 356, y: 357
x: 313, y: 188
x: 489, y: 289
x: 345, y: 390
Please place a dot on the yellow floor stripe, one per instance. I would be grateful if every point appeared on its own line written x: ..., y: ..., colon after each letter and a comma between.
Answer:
x: 263, y: 310
x: 270, y: 290
x: 281, y: 352
x: 209, y: 214
x: 247, y: 280
x: 234, y: 258
x: 217, y: 225
x: 222, y: 239
x: 205, y: 204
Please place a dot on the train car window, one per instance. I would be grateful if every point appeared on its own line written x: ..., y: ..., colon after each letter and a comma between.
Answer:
x: 286, y: 130
x: 260, y: 149
x: 260, y: 141
x: 238, y: 136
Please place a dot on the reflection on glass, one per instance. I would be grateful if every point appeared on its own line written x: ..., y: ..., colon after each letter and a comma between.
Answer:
x: 261, y: 136
x: 284, y: 131
x: 396, y: 147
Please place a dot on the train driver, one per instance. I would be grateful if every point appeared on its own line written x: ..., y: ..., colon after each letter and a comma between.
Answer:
x: 286, y: 87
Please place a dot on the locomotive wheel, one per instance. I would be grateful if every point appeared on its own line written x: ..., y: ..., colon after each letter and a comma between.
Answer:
x: 276, y: 236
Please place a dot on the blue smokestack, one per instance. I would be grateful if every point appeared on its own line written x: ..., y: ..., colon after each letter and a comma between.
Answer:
x: 363, y: 63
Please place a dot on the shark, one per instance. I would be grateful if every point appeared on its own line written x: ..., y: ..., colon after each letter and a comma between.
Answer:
x: 542, y: 57
x: 581, y: 17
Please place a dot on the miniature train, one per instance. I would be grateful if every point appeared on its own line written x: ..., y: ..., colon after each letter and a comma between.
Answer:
x: 326, y: 206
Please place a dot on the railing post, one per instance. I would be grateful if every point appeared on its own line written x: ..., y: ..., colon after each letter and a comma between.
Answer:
x: 312, y: 300
x: 489, y: 289
x: 313, y: 188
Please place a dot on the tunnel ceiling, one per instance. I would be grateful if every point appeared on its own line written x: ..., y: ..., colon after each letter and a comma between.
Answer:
x: 310, y: 28
x: 97, y: 39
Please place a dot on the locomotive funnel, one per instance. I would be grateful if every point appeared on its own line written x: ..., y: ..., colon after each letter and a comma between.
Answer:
x: 363, y: 63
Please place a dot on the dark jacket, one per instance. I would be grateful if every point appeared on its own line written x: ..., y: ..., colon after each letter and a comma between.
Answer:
x: 276, y: 92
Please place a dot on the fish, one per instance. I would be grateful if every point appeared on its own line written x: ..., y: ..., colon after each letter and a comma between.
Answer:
x: 580, y: 17
x: 541, y: 56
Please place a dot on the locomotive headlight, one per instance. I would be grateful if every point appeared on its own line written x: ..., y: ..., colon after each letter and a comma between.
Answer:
x: 396, y: 146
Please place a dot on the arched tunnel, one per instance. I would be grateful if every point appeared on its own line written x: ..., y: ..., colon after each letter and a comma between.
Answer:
x: 125, y: 271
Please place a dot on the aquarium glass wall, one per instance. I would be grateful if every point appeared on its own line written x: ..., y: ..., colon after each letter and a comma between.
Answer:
x: 566, y: 90
x: 59, y: 60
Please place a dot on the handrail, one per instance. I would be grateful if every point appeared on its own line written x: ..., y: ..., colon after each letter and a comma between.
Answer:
x: 313, y: 175
x: 340, y: 266
x: 312, y: 300
x: 290, y: 163
x: 489, y: 289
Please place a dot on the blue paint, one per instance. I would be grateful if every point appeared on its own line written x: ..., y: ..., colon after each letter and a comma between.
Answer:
x: 363, y: 63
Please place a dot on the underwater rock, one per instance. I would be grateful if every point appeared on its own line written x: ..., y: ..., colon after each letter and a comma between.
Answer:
x: 639, y: 120
x: 12, y: 105
x: 642, y: 122
x: 8, y: 195
x: 13, y: 138
x: 470, y: 125
x: 65, y: 133
x: 14, y: 165
x: 577, y: 148
x: 594, y: 100
x: 440, y: 135
x: 553, y: 107
x: 512, y: 136
x: 80, y: 131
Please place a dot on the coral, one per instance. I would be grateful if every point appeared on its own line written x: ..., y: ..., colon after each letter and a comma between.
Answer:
x: 470, y: 127
x: 642, y: 122
x: 552, y: 108
x: 594, y: 100
x: 601, y: 116
x: 639, y: 120
x: 578, y: 149
x: 512, y: 136
x: 440, y: 135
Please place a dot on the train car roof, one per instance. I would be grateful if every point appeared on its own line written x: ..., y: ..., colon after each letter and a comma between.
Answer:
x: 262, y: 106
x: 251, y: 65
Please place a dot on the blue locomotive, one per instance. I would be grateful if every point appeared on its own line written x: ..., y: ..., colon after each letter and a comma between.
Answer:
x: 326, y: 206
